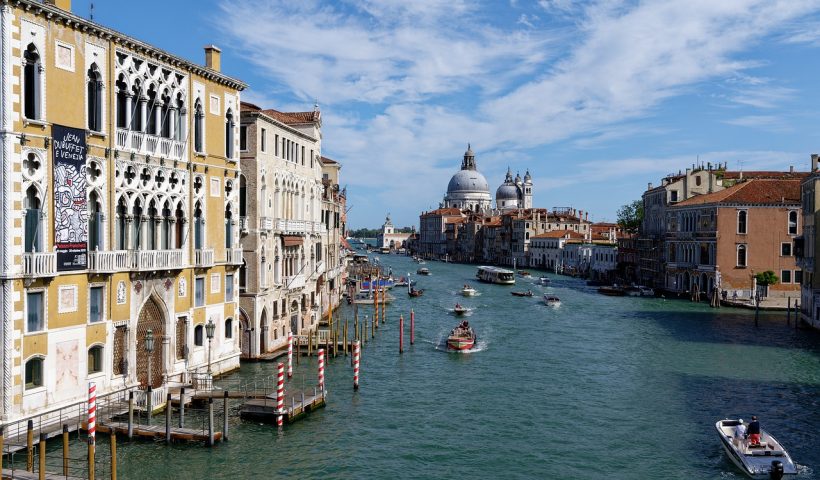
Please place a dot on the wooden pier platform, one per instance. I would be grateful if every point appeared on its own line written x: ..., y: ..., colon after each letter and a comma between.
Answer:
x: 232, y: 394
x: 22, y: 474
x: 158, y: 431
x: 296, y: 406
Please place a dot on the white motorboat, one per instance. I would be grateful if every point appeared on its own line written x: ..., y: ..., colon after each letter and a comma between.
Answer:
x: 544, y: 281
x: 763, y: 461
x: 468, y: 291
x: 552, y: 301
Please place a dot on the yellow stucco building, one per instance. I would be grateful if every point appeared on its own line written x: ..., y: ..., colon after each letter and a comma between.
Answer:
x: 119, y: 185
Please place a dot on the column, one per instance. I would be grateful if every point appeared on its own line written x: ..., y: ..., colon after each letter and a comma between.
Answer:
x: 172, y: 119
x: 143, y: 114
x: 128, y: 100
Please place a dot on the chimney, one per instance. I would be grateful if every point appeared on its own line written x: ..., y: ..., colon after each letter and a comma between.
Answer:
x: 61, y: 4
x: 212, y: 57
x: 791, y: 168
x: 649, y: 186
x: 814, y: 157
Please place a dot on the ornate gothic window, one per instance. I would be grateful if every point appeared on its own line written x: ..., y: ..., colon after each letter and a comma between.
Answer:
x: 229, y: 136
x: 95, y: 98
x: 32, y: 71
x: 199, y: 127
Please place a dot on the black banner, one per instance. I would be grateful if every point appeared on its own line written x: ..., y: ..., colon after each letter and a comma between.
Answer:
x: 70, y: 204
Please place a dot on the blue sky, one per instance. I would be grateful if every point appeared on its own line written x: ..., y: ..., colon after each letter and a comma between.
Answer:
x: 595, y: 98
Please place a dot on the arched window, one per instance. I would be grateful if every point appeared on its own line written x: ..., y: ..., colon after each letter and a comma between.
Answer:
x: 243, y: 200
x: 741, y: 255
x: 152, y: 226
x: 793, y: 222
x: 199, y: 127
x: 229, y: 328
x: 34, y: 230
x: 199, y: 227
x: 165, y: 233
x: 229, y: 135
x: 164, y: 117
x: 153, y: 112
x: 95, y: 98
x: 138, y: 115
x: 31, y: 83
x: 123, y: 103
x: 95, y: 227
x: 198, y: 336
x: 136, y: 226
x: 95, y: 359
x: 741, y: 221
x: 228, y: 228
x: 122, y: 212
x: 180, y: 226
x: 34, y: 372
x: 181, y: 119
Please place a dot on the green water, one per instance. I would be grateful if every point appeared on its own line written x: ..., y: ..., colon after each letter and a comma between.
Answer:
x: 601, y: 387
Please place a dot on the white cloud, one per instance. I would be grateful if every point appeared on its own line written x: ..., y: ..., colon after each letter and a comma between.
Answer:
x: 767, y: 122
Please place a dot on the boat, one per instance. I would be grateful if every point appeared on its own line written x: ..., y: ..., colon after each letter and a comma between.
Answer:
x: 468, y: 291
x: 460, y: 309
x: 367, y: 299
x: 495, y: 275
x: 461, y: 338
x: 552, y: 301
x: 613, y: 291
x: 764, y: 461
x: 524, y: 273
x: 528, y: 293
x: 544, y: 280
x: 423, y: 271
x: 646, y: 291
x: 401, y: 282
x: 413, y: 292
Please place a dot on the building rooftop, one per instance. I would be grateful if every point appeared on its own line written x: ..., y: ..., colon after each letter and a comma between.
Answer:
x: 559, y: 234
x: 755, y: 191
x: 442, y: 211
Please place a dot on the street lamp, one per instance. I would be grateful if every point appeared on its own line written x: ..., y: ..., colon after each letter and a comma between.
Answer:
x: 209, y: 331
x: 149, y: 348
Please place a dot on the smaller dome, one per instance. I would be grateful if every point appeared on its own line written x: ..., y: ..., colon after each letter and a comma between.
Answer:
x: 506, y: 192
x: 469, y: 152
x: 527, y: 177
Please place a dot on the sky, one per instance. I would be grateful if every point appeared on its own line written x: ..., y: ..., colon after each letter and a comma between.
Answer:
x: 596, y: 99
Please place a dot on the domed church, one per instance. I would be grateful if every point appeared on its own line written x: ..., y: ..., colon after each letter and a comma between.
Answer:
x: 468, y: 189
x: 514, y: 194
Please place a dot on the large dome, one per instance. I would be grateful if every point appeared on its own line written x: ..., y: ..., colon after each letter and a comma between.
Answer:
x: 468, y: 181
x: 506, y: 192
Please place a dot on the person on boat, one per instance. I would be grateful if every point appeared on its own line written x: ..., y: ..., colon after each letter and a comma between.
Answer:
x: 740, y: 434
x: 458, y: 306
x: 529, y: 293
x: 754, y: 432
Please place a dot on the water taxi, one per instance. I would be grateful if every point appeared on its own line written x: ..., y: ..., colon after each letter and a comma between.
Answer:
x: 423, y: 271
x: 460, y: 309
x: 468, y: 291
x: 528, y: 293
x: 768, y: 460
x: 462, y: 337
x: 552, y: 301
x: 495, y: 275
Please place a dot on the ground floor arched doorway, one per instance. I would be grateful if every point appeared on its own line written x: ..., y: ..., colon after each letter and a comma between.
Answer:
x: 151, y: 318
x: 263, y: 332
x: 244, y: 335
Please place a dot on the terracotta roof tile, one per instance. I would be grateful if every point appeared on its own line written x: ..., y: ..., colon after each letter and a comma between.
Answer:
x: 756, y: 191
x: 442, y: 211
x: 559, y: 234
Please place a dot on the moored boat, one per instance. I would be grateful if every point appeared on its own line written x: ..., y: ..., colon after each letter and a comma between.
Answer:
x: 528, y: 293
x: 552, y: 301
x: 366, y: 298
x: 462, y: 337
x: 767, y: 460
x: 613, y: 291
x: 468, y: 291
x: 423, y: 271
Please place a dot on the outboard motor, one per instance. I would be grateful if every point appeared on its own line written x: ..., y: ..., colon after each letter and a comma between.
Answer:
x: 776, y: 473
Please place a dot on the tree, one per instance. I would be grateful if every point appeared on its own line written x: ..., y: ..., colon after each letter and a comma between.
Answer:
x: 630, y: 216
x: 764, y: 279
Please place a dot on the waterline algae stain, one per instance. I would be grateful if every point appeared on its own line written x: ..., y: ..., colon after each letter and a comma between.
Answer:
x: 604, y: 387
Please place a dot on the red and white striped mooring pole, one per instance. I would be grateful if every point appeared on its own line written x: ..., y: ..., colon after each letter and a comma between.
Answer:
x: 280, y: 393
x: 356, y: 365
x: 290, y: 354
x: 322, y: 369
x: 92, y: 412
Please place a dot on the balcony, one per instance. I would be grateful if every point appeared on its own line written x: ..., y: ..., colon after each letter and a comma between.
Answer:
x: 108, y: 261
x: 203, y: 258
x: 155, y: 260
x: 39, y: 264
x: 265, y: 224
x: 293, y: 281
x: 233, y: 256
x: 147, y: 144
x: 299, y: 227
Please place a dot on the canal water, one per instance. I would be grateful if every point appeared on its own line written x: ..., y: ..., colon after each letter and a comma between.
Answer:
x: 601, y: 387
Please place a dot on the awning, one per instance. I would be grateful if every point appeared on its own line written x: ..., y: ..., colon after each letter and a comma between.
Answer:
x: 292, y: 240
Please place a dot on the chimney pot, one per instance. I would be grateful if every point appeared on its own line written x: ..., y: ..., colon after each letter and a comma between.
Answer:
x: 649, y: 186
x: 814, y: 158
x: 213, y: 58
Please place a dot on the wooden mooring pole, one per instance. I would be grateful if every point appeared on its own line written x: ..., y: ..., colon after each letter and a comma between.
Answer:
x: 210, y: 421
x: 91, y: 458
x: 168, y: 418
x: 130, y: 415
x: 412, y: 327
x: 225, y: 417
x: 65, y: 450
x: 182, y: 407
x: 113, y: 455
x: 384, y: 306
x: 344, y: 341
x: 30, y: 446
x: 2, y: 442
x: 42, y: 468
x: 355, y: 366
x: 789, y: 312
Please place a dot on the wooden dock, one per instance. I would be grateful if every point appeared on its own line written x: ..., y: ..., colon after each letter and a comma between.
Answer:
x: 296, y: 406
x: 158, y: 431
x: 22, y: 474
